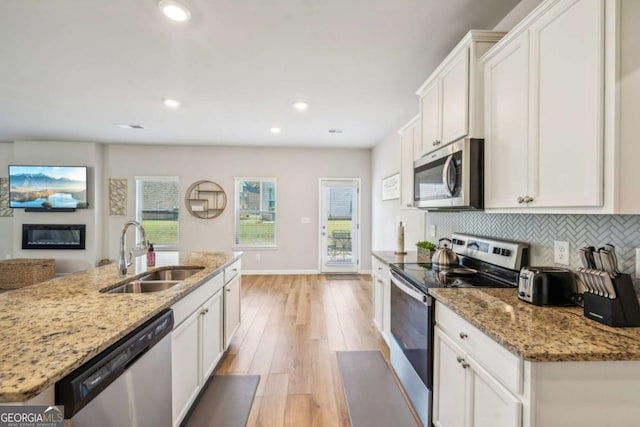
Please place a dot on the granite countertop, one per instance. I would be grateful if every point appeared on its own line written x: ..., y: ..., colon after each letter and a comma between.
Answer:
x: 390, y: 257
x: 49, y: 329
x: 540, y: 334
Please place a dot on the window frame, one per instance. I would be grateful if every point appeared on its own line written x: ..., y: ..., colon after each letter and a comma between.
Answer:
x: 138, y: 201
x: 236, y: 181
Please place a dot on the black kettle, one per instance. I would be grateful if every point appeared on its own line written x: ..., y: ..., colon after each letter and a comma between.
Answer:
x: 444, y: 257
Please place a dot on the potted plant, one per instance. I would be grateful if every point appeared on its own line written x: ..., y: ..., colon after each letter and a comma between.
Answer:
x: 425, y: 250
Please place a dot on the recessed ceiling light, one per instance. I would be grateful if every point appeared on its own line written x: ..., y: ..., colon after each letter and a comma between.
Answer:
x: 300, y: 106
x: 275, y: 129
x: 174, y: 10
x: 129, y: 126
x: 171, y: 103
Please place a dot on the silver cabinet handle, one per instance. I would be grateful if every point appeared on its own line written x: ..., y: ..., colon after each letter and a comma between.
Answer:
x: 528, y: 199
x: 520, y: 199
x: 459, y: 359
x: 409, y: 205
x: 235, y: 269
x: 228, y: 289
x: 463, y: 335
x: 465, y: 365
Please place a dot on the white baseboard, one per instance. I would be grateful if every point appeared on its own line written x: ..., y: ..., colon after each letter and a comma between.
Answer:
x: 289, y: 272
x: 284, y: 272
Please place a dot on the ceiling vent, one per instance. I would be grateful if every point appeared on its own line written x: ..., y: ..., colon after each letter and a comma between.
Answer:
x: 336, y: 130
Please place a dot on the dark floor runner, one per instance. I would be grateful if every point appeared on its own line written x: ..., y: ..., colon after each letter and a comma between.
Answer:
x: 373, y: 397
x: 226, y: 402
x: 341, y: 276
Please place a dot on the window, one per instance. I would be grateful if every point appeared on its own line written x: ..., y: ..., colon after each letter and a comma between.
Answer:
x: 157, y: 201
x: 256, y: 212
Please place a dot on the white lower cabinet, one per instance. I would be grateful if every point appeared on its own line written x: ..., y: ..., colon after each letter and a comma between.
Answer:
x: 466, y: 394
x: 381, y: 298
x: 231, y: 309
x: 197, y: 341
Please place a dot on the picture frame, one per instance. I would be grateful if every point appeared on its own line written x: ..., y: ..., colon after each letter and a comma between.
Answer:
x: 391, y: 187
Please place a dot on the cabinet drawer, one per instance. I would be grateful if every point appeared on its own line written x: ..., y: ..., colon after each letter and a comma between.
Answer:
x: 232, y: 271
x: 500, y: 362
x: 379, y: 268
x: 187, y: 305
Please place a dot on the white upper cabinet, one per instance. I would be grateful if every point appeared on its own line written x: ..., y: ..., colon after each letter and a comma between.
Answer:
x: 506, y: 116
x: 409, y: 143
x: 451, y: 98
x: 558, y: 137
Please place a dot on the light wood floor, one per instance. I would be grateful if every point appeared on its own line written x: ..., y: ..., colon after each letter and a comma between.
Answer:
x: 291, y: 328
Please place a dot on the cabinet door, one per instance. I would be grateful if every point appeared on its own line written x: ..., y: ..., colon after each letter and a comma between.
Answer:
x: 430, y: 117
x: 406, y: 167
x: 449, y: 383
x: 386, y: 307
x: 211, y: 336
x: 185, y: 364
x: 231, y: 309
x: 455, y: 98
x: 491, y: 404
x: 378, y: 298
x: 506, y: 125
x: 567, y: 89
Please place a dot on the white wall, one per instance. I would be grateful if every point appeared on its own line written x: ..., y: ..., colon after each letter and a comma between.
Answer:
x: 6, y: 223
x: 297, y: 171
x: 66, y: 154
x: 385, y: 161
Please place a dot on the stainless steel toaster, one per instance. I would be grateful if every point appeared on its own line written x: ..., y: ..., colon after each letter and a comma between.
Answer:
x: 547, y: 286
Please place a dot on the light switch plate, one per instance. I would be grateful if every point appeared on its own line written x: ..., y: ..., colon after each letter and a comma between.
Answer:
x: 432, y: 230
x: 561, y: 252
x: 638, y: 263
x: 305, y: 220
x: 257, y: 257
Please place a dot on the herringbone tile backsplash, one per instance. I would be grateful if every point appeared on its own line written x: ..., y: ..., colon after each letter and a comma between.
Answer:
x: 540, y: 231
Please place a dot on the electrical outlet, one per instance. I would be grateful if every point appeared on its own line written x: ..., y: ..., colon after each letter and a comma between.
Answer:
x: 638, y: 263
x: 257, y: 257
x: 561, y: 252
x: 432, y: 230
x: 8, y: 256
x: 305, y: 220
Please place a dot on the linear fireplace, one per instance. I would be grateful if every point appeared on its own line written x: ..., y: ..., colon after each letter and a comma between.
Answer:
x: 53, y: 236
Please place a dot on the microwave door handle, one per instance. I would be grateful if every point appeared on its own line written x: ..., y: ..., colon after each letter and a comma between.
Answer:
x: 445, y: 175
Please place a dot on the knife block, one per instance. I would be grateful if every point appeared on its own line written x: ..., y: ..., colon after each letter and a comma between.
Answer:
x: 622, y: 311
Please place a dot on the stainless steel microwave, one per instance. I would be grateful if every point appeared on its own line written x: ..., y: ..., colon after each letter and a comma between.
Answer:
x: 450, y: 178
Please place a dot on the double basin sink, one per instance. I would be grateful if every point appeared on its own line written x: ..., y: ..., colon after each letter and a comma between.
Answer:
x: 159, y: 280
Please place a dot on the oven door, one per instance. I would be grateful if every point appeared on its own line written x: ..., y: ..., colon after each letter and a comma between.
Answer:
x: 412, y: 326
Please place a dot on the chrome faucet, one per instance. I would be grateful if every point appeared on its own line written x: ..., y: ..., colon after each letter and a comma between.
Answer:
x: 123, y: 264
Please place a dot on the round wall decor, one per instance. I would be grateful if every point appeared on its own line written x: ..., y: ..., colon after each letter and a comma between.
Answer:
x: 205, y: 199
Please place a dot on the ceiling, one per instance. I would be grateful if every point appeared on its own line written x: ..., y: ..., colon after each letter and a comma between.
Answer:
x: 72, y: 69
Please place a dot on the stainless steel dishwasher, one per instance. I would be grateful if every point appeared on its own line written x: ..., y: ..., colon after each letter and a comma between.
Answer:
x: 128, y: 384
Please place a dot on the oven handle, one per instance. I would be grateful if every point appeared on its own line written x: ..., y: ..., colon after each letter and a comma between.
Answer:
x: 408, y: 289
x: 445, y: 175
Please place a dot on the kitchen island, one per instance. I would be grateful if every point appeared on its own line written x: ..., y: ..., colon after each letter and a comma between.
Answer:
x: 49, y: 329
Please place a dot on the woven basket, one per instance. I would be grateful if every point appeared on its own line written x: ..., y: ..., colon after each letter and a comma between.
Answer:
x: 20, y: 272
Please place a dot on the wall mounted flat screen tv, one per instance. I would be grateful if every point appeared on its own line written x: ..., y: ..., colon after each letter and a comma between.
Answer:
x: 48, y: 187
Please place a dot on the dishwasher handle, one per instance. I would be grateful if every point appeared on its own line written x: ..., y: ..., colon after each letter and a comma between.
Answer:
x: 81, y: 386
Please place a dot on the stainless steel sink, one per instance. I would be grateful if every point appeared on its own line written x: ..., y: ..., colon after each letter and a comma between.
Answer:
x: 139, y: 287
x: 171, y: 274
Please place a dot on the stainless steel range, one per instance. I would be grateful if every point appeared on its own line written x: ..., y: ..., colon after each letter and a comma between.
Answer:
x: 482, y: 262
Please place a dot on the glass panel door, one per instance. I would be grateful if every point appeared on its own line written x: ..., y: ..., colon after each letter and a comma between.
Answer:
x: 339, y: 225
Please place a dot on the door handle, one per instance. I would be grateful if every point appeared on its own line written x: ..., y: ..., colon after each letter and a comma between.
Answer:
x: 445, y: 176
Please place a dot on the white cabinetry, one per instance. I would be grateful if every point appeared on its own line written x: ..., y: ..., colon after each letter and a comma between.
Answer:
x: 381, y: 298
x: 451, y: 98
x: 544, y: 110
x: 196, y: 343
x: 231, y: 302
x: 476, y: 381
x: 409, y: 151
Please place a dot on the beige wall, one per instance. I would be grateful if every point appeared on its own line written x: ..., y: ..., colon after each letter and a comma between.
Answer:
x: 517, y: 14
x: 385, y: 161
x: 297, y: 171
x: 6, y: 224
